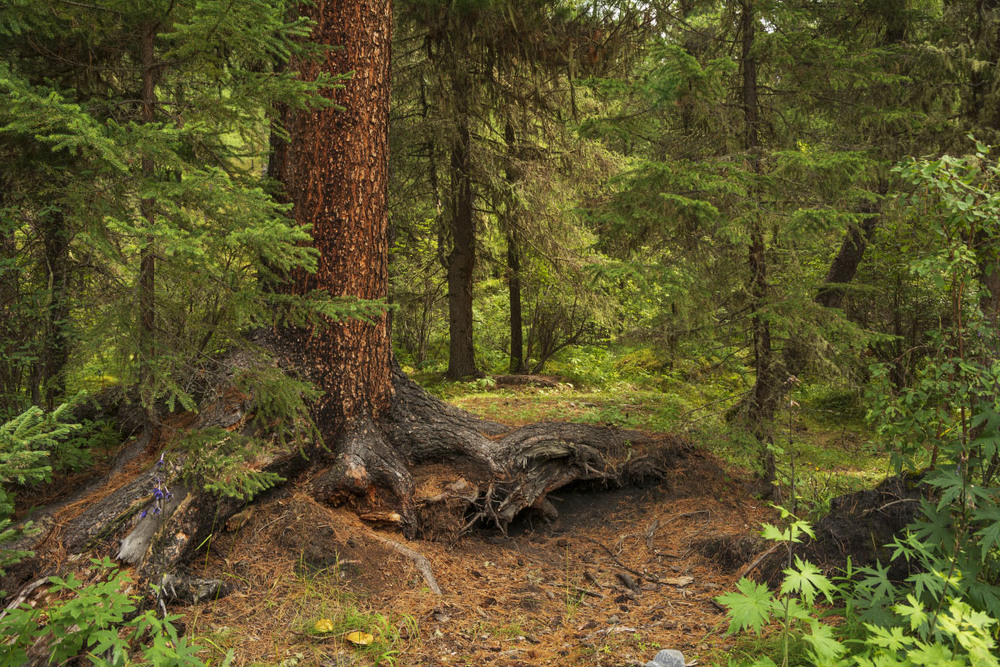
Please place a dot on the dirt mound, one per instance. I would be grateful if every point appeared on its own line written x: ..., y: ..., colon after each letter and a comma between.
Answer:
x: 608, y: 581
x: 858, y: 526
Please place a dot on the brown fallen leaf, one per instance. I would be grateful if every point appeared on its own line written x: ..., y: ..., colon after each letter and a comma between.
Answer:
x: 680, y: 582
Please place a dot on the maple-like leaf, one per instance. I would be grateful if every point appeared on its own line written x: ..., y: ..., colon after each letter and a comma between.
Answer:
x: 750, y: 608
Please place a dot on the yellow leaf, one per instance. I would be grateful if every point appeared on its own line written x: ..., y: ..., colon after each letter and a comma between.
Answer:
x: 323, y: 625
x: 359, y: 638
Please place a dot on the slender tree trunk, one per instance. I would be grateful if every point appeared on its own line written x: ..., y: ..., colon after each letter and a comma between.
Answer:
x: 513, y: 255
x: 762, y: 406
x: 55, y: 343
x: 147, y: 256
x: 335, y: 174
x: 462, y: 258
x: 985, y: 116
x: 847, y: 260
x: 10, y: 367
x: 516, y: 315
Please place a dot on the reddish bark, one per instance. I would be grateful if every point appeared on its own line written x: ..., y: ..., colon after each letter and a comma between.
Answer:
x: 335, y: 171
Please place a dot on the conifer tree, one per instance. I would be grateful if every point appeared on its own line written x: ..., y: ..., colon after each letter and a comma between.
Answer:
x: 133, y: 143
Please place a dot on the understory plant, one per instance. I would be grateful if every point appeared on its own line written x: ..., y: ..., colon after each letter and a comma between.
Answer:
x: 943, y: 429
x: 96, y: 622
x: 25, y: 446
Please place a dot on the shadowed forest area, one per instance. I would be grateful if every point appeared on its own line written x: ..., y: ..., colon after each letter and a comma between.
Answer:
x: 509, y: 332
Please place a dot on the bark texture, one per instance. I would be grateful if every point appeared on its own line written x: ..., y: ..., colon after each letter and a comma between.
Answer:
x: 847, y: 260
x: 147, y: 256
x: 335, y: 173
x: 462, y: 258
x: 514, y: 176
x: 764, y: 394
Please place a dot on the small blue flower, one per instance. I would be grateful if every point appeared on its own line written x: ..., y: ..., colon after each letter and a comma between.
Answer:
x: 160, y: 491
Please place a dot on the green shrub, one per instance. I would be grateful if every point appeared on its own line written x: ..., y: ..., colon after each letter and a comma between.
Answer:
x: 89, y: 621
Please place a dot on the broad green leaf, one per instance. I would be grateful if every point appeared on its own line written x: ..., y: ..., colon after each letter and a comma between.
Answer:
x: 913, y: 610
x: 750, y: 608
x: 807, y: 580
x: 825, y: 649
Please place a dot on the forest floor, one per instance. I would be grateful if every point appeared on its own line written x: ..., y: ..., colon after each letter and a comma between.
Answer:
x: 618, y: 576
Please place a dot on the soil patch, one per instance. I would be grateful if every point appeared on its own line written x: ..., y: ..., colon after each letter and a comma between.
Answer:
x: 614, y: 578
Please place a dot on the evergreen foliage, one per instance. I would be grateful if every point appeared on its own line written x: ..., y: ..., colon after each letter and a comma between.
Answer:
x: 137, y: 137
x: 26, y: 443
x: 771, y: 191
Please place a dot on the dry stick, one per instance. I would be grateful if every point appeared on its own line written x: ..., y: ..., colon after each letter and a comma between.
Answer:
x: 587, y: 591
x: 894, y: 502
x: 651, y: 533
x: 757, y: 561
x: 651, y: 577
x: 419, y: 561
x: 688, y: 515
x: 23, y: 595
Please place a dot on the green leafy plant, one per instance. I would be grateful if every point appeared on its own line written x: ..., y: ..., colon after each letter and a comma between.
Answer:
x: 943, y: 430
x: 97, y: 622
x: 753, y: 605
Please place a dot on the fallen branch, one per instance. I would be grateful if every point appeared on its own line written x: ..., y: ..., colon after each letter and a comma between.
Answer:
x: 757, y: 561
x: 623, y: 566
x: 419, y: 561
x: 23, y: 595
x: 587, y: 591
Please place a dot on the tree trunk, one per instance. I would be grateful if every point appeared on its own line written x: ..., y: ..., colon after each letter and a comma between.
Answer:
x: 847, y: 260
x: 762, y: 404
x: 10, y: 366
x: 147, y: 256
x: 516, y: 315
x: 55, y: 344
x: 335, y: 174
x: 513, y: 256
x: 984, y: 115
x: 462, y: 258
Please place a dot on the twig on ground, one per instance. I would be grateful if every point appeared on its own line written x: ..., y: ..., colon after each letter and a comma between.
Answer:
x: 894, y: 502
x: 757, y: 561
x: 650, y: 577
x: 650, y: 533
x: 419, y: 561
x: 688, y: 515
x: 587, y: 591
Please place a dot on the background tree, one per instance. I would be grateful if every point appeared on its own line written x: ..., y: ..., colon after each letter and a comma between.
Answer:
x: 133, y: 205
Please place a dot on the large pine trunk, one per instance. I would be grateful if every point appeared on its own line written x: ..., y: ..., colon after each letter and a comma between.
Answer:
x: 335, y: 175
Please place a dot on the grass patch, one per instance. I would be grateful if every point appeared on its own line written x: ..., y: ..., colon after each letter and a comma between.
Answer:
x: 316, y: 621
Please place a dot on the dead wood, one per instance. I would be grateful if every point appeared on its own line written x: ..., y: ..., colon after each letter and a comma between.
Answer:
x: 419, y: 561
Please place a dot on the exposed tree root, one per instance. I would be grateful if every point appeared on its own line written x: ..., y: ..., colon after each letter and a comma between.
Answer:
x: 484, y: 472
